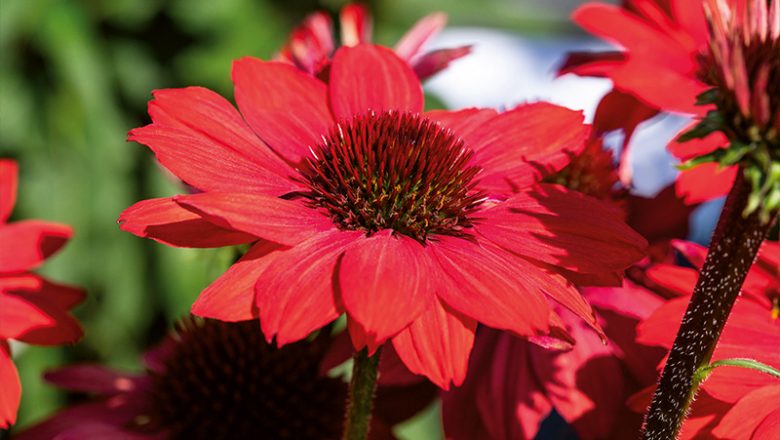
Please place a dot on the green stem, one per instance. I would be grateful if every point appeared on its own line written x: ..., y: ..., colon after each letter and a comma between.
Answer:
x: 362, y: 388
x: 732, y: 251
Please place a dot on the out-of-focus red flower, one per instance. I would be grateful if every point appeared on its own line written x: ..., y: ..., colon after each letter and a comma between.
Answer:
x: 668, y: 58
x: 513, y: 384
x: 32, y: 309
x: 735, y: 400
x: 417, y: 225
x: 312, y: 44
x: 218, y: 380
x: 591, y: 171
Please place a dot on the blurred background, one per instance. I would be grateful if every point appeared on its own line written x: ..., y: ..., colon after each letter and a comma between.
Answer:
x: 76, y: 75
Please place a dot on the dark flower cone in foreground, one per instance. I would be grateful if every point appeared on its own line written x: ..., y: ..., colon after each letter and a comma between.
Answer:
x: 416, y: 225
x: 216, y: 380
x: 33, y: 310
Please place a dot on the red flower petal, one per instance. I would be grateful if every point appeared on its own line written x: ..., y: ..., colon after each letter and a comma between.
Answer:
x: 620, y: 311
x: 680, y: 281
x: 751, y: 411
x: 59, y: 295
x: 637, y: 36
x: 621, y: 111
x: 660, y: 87
x: 642, y: 215
x: 768, y: 428
x: 310, y: 45
x: 27, y: 243
x: 9, y: 174
x: 521, y: 146
x: 284, y: 106
x: 19, y: 316
x: 507, y: 396
x: 704, y: 182
x: 204, y: 141
x: 485, y: 284
x: 355, y: 25
x: 165, y: 221
x: 586, y: 385
x: 690, y: 17
x: 693, y: 252
x: 295, y: 293
x: 661, y: 327
x: 28, y: 314
x: 100, y: 419
x: 91, y: 379
x: 598, y: 64
x: 44, y: 319
x: 283, y: 221
x: 564, y: 228
x: 431, y: 63
x: 384, y: 284
x: 437, y: 345
x: 10, y: 387
x: 466, y: 124
x: 696, y: 147
x: 422, y: 31
x: 372, y: 78
x: 231, y: 297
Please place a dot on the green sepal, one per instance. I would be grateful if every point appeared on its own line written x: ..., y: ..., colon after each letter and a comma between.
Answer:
x: 707, y: 97
x: 765, y: 187
x: 724, y: 156
x: 707, y: 125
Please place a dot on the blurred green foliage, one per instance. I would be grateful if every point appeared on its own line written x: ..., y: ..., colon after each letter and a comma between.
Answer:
x: 75, y: 76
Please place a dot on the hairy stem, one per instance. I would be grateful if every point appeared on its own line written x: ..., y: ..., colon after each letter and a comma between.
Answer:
x: 361, y: 395
x: 732, y: 251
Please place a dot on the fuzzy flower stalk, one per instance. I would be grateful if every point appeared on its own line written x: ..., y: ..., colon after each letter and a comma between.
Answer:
x: 742, y: 66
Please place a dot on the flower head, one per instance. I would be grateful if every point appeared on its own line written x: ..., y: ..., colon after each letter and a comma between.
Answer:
x: 715, y: 59
x: 592, y: 172
x: 215, y: 380
x: 312, y: 44
x: 32, y: 309
x: 415, y: 224
x: 742, y: 64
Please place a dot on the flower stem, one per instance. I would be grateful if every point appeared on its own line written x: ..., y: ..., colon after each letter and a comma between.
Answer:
x: 732, y: 251
x: 361, y: 395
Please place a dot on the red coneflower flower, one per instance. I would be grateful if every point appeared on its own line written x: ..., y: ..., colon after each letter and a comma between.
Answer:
x: 590, y: 172
x: 32, y: 309
x: 673, y: 52
x: 734, y: 403
x: 312, y: 44
x: 218, y: 380
x: 417, y: 225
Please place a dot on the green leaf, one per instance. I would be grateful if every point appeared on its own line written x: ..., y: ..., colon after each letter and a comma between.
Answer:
x: 752, y: 364
x: 708, y: 125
